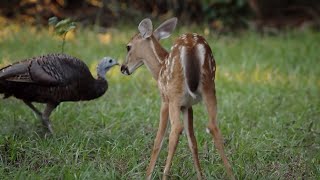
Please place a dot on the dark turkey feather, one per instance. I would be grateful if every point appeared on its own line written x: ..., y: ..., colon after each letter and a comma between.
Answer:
x: 52, y: 79
x: 47, y: 69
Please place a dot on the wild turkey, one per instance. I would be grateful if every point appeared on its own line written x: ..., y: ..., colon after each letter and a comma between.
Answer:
x: 52, y: 79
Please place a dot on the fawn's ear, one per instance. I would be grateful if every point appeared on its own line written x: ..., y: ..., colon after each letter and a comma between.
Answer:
x: 145, y: 28
x: 165, y: 29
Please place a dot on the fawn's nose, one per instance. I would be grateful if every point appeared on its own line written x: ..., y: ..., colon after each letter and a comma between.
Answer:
x: 124, y: 69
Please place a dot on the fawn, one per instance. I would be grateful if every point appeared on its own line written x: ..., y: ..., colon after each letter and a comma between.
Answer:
x: 185, y: 76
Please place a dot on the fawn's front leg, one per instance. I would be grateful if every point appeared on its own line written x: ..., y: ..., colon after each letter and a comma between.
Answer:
x: 164, y: 114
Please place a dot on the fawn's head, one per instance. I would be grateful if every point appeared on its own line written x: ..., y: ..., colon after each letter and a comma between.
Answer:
x: 140, y: 44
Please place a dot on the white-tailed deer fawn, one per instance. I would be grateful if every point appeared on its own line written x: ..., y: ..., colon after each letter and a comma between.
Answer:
x: 185, y: 76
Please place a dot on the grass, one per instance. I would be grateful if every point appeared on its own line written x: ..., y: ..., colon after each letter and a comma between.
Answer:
x: 268, y: 90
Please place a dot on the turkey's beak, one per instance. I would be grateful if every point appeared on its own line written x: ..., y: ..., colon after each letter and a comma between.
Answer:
x: 116, y: 63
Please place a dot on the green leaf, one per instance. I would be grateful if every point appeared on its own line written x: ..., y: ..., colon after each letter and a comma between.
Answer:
x: 63, y: 23
x: 53, y: 20
x: 61, y: 31
x: 71, y: 27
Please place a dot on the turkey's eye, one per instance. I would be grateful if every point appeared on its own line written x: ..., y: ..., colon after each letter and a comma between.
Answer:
x: 128, y: 48
x: 110, y: 61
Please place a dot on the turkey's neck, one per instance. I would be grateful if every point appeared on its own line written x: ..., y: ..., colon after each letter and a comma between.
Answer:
x: 98, y: 88
x: 101, y: 86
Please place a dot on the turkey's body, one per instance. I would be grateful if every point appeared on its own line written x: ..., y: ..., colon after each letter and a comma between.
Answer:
x: 50, y: 79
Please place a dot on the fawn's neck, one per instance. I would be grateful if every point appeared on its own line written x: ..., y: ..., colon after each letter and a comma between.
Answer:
x: 155, y: 60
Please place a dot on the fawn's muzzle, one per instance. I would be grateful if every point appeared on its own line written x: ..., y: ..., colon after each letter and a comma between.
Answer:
x: 124, y: 69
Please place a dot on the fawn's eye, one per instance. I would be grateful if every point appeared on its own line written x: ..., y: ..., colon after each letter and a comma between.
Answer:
x: 128, y: 48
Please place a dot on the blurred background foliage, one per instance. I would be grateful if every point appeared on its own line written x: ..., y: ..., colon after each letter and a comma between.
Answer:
x: 219, y: 15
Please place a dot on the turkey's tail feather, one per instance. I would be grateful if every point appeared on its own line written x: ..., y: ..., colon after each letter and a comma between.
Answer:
x: 3, y: 90
x: 12, y: 70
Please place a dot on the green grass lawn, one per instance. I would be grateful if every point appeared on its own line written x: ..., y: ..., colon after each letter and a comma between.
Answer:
x: 268, y: 90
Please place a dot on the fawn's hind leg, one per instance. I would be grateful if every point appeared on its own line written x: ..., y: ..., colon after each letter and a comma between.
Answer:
x: 210, y: 101
x: 188, y: 126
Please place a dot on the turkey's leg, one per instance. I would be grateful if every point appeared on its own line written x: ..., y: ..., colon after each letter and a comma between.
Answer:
x: 46, y: 114
x: 30, y: 105
x: 44, y: 117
